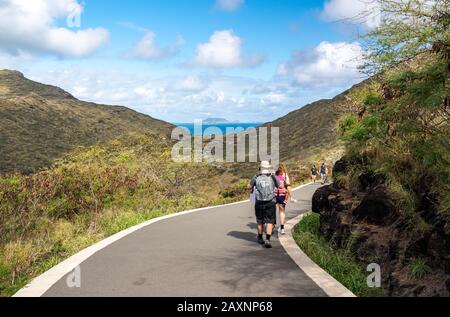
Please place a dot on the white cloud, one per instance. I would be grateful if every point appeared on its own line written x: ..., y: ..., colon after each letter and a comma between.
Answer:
x: 192, y: 83
x: 15, y: 61
x: 370, y: 13
x: 274, y: 99
x: 282, y: 70
x: 146, y: 48
x: 364, y: 12
x: 30, y: 26
x: 229, y: 5
x: 224, y: 50
x: 327, y: 65
x: 183, y: 98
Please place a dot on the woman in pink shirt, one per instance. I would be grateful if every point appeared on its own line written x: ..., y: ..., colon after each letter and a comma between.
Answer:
x: 282, y: 195
x: 288, y: 184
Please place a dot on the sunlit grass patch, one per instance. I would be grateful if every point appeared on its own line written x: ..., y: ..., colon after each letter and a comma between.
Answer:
x: 339, y: 263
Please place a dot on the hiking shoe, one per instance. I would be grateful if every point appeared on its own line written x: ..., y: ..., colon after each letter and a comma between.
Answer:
x: 281, y: 231
x: 261, y: 241
x: 268, y: 245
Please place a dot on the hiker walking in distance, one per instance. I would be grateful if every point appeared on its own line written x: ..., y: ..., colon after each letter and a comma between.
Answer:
x: 264, y: 185
x: 314, y: 173
x: 324, y: 173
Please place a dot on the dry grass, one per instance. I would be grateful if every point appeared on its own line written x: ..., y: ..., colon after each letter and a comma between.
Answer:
x: 94, y: 193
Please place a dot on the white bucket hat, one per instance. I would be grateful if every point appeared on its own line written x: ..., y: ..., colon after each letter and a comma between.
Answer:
x: 265, y: 167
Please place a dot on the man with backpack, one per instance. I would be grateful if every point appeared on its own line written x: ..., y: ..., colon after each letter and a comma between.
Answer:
x: 264, y: 185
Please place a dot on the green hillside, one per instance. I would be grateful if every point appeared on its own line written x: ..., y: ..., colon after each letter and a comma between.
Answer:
x: 390, y: 202
x: 310, y: 134
x: 40, y: 123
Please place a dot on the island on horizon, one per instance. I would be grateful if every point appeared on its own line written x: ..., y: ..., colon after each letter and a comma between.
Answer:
x: 221, y: 121
x: 218, y: 121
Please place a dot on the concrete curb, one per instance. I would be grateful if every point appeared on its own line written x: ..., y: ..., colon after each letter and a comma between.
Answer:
x: 40, y: 285
x: 324, y: 280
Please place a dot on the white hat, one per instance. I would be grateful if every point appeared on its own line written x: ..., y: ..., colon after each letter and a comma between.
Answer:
x: 265, y: 167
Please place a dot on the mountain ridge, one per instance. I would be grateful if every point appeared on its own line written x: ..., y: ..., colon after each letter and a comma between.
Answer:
x: 40, y: 123
x: 311, y: 131
x: 17, y: 84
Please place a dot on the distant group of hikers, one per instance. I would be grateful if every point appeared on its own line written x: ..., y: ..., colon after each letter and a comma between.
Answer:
x: 323, y: 173
x: 271, y: 191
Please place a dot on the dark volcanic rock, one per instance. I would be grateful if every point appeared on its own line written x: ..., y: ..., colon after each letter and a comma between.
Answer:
x: 340, y: 167
x: 376, y: 208
x: 369, y: 223
x: 370, y: 180
x: 447, y: 264
x: 320, y: 200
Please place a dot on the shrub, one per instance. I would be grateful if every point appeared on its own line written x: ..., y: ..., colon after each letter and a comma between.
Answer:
x: 238, y: 190
x: 90, y: 194
x: 419, y: 269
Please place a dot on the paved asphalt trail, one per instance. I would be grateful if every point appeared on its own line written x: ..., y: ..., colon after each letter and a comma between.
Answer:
x: 208, y: 253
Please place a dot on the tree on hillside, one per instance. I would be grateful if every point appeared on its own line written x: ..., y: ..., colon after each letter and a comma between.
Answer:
x: 406, y: 29
x: 403, y: 130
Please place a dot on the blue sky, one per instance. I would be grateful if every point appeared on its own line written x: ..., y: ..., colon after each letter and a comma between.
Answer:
x: 247, y: 60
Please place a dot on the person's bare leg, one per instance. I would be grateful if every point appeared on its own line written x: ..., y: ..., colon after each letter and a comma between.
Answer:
x: 269, y: 229
x: 282, y: 215
x: 260, y: 229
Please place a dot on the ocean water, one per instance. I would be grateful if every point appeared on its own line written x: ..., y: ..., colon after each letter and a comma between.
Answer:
x: 207, y: 129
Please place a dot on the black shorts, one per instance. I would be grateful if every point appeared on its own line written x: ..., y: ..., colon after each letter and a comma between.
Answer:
x: 281, y: 200
x: 266, y: 212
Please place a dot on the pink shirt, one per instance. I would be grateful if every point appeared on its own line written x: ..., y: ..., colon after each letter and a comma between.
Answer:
x: 281, y: 191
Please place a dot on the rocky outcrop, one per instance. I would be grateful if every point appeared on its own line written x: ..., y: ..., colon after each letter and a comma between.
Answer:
x: 367, y: 221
